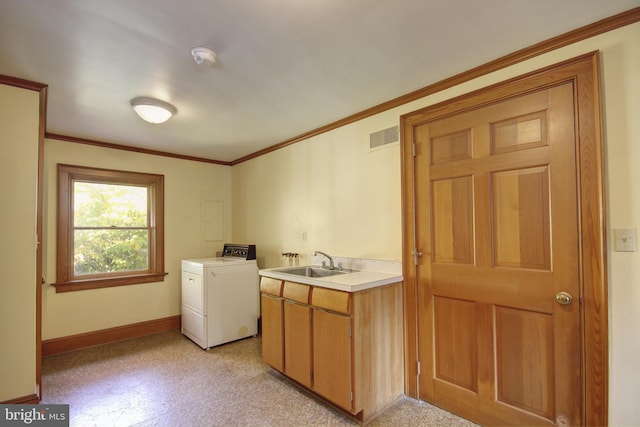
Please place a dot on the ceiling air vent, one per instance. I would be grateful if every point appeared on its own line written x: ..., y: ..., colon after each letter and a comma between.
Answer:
x: 384, y: 137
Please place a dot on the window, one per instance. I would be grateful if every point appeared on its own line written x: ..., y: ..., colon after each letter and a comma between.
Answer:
x: 110, y: 228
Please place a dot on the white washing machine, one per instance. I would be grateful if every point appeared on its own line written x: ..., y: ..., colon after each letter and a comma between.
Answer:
x: 220, y: 296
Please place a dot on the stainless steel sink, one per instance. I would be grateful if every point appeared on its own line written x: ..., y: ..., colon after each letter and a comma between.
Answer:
x: 310, y: 271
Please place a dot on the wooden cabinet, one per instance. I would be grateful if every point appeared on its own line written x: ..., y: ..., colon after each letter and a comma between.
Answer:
x: 272, y: 331
x: 345, y: 347
x: 272, y: 322
x: 332, y: 357
x: 297, y: 332
x: 297, y: 342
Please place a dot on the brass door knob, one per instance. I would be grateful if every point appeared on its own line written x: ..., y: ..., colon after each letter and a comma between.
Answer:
x: 564, y: 298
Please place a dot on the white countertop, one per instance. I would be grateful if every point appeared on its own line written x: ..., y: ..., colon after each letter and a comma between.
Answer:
x: 370, y: 274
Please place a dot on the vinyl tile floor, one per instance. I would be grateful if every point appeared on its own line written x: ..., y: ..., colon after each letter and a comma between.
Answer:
x: 166, y: 380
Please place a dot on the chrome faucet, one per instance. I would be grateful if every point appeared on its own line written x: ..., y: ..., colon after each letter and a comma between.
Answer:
x: 331, y: 266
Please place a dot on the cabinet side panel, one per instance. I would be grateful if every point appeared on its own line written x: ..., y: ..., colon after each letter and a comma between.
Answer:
x: 378, y: 348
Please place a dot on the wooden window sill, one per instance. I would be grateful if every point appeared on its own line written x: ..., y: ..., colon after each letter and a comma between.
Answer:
x: 97, y: 283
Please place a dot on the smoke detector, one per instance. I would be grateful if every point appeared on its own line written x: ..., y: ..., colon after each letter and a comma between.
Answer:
x: 202, y: 55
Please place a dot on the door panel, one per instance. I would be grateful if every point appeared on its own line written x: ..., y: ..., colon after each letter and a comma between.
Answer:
x: 272, y: 331
x: 455, y: 342
x: 496, y: 214
x: 524, y: 360
x: 453, y: 220
x: 332, y: 357
x: 297, y: 342
x: 521, y: 218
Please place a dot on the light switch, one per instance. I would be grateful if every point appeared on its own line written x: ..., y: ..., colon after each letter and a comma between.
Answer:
x: 626, y: 239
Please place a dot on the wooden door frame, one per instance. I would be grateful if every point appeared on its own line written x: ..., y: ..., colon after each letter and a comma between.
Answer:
x: 583, y: 71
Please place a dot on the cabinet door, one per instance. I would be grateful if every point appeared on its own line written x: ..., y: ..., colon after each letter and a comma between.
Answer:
x: 272, y: 331
x: 332, y: 357
x: 297, y: 342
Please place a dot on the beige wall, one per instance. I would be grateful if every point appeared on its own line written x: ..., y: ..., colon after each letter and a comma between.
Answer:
x: 19, y: 121
x: 330, y: 193
x: 187, y: 185
x: 622, y: 122
x: 346, y: 200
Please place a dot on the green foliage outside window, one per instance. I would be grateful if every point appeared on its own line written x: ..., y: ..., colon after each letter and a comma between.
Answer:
x: 111, y: 231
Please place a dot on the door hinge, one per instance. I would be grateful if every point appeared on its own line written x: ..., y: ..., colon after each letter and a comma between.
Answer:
x: 413, y: 149
x: 418, y: 367
x: 350, y: 396
x: 349, y: 331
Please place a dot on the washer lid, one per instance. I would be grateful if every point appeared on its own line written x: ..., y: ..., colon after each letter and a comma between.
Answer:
x: 220, y: 262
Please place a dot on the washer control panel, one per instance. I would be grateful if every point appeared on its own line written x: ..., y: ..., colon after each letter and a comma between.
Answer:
x: 239, y: 251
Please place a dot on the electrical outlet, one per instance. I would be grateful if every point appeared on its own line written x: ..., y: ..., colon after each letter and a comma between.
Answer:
x: 626, y: 239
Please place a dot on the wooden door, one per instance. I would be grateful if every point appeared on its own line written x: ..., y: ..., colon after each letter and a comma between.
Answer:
x: 297, y: 342
x: 497, y: 222
x: 332, y: 357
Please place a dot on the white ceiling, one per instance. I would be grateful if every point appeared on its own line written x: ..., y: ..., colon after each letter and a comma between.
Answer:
x: 284, y: 67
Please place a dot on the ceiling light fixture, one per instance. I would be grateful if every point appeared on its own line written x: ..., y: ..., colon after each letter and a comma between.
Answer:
x: 203, y: 55
x: 153, y: 110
